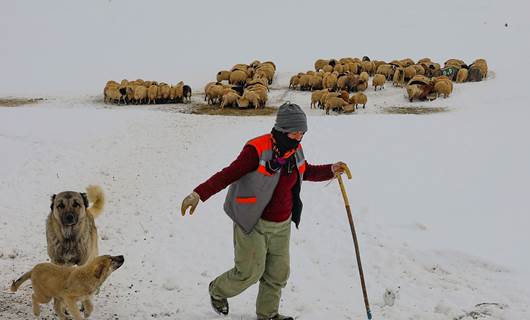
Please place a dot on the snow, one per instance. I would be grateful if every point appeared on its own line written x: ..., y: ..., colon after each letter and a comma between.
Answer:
x: 440, y: 201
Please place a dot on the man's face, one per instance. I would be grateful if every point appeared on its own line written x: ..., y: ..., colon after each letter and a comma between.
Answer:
x: 296, y: 135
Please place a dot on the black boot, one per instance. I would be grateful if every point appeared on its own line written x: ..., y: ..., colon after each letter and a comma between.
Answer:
x: 220, y: 306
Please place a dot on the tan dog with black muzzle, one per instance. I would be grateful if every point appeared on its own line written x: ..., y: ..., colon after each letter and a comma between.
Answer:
x: 70, y: 228
x: 68, y: 285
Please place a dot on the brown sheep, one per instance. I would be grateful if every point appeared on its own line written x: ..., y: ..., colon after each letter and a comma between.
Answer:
x: 399, y: 77
x: 362, y: 85
x: 214, y: 93
x: 410, y: 72
x: 238, y: 77
x: 368, y: 66
x: 330, y: 81
x: 333, y: 103
x: 229, y: 99
x: 140, y: 94
x: 461, y: 76
x: 326, y: 96
x: 320, y: 63
x: 359, y: 98
x: 223, y: 75
x: 249, y: 98
x: 364, y: 76
x: 387, y: 70
x: 482, y: 65
x: 152, y: 93
x: 293, y: 83
x: 444, y: 87
x: 378, y: 81
x: 419, y: 91
x: 315, y: 97
x: 316, y: 82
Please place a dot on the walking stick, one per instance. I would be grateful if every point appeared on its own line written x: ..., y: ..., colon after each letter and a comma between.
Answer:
x: 354, y: 235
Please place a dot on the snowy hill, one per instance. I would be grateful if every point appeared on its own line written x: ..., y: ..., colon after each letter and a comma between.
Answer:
x: 439, y: 200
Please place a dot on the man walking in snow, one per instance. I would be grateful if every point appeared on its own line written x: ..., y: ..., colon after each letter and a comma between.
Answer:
x: 263, y: 199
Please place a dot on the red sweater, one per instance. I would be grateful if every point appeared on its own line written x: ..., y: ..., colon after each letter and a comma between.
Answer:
x: 281, y: 203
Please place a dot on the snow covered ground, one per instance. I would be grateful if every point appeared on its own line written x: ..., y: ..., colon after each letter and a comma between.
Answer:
x: 440, y: 200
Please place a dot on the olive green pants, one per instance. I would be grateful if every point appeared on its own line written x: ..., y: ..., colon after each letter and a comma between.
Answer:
x: 262, y: 255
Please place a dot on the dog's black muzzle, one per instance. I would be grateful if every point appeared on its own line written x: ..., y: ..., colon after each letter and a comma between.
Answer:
x: 69, y: 219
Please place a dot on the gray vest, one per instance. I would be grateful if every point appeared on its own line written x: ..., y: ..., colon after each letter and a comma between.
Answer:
x: 247, y: 197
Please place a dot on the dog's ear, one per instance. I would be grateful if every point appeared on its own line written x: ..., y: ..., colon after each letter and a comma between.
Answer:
x: 53, y: 199
x: 85, y: 199
x: 99, y: 270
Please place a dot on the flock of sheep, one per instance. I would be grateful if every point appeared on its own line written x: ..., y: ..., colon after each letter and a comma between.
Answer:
x: 333, y: 80
x: 145, y: 92
x: 245, y: 85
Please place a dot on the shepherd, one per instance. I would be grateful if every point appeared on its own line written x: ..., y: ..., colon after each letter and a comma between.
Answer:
x: 262, y: 200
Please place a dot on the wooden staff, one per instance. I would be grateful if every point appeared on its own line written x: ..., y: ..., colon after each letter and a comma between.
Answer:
x: 354, y: 235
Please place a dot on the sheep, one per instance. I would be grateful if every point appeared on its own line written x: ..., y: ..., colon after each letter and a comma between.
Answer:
x: 364, y: 76
x: 330, y: 81
x: 163, y: 92
x: 305, y: 82
x: 378, y: 81
x: 461, y: 76
x: 419, y: 91
x: 152, y: 93
x: 410, y: 72
x: 254, y: 98
x: 229, y: 98
x: 326, y: 96
x: 223, y: 75
x: 444, y: 87
x: 339, y: 68
x: 293, y: 83
x: 424, y: 60
x: 345, y: 82
x: 179, y: 92
x: 353, y: 67
x: 261, y: 91
x: 455, y: 63
x: 419, y: 69
x: 334, y: 103
x: 315, y: 97
x: 368, y: 66
x: 315, y: 82
x: 399, y: 77
x: 406, y: 62
x: 140, y: 94
x: 482, y: 65
x: 113, y: 94
x: 387, y: 70
x: 362, y: 85
x: 320, y: 63
x: 327, y: 68
x: 359, y: 98
x: 414, y: 91
x: 214, y: 93
x: 269, y: 63
x: 238, y: 77
x: 474, y: 74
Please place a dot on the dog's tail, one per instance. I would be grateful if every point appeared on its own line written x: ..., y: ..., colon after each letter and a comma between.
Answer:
x: 97, y: 198
x: 19, y: 281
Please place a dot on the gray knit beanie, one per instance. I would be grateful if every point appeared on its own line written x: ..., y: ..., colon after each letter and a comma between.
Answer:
x: 290, y: 118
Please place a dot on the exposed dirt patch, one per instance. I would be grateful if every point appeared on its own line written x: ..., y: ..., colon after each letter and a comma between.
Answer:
x: 15, y: 102
x: 414, y: 110
x: 215, y: 110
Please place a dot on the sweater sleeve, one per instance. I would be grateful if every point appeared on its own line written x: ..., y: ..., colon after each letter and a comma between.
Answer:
x: 318, y: 172
x: 246, y: 162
